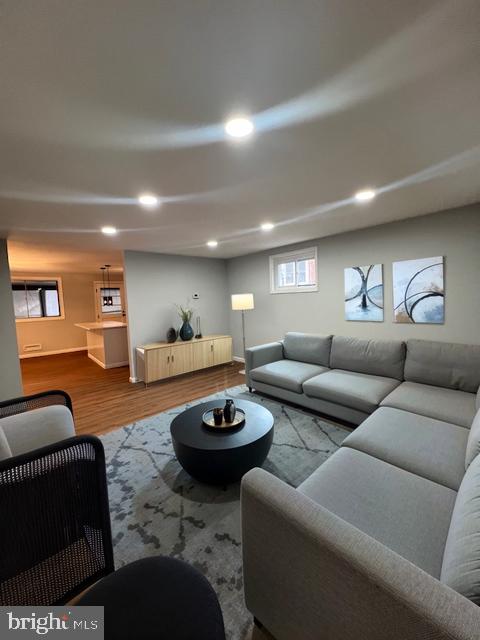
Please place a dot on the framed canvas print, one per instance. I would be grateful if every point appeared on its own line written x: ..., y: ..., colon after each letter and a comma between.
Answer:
x: 418, y: 291
x: 364, y: 293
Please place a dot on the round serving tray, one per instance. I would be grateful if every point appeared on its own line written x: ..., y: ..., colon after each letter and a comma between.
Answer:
x: 225, y: 426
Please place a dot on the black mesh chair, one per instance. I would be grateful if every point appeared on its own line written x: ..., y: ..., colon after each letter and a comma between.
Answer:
x: 55, y: 538
x: 55, y: 543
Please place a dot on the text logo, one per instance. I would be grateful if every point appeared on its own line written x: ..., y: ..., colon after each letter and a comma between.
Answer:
x: 56, y: 622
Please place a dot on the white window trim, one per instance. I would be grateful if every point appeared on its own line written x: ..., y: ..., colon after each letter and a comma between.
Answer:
x: 297, y: 254
x: 58, y: 279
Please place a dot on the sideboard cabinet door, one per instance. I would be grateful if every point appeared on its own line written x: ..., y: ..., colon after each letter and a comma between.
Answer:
x: 181, y: 359
x: 202, y: 354
x: 222, y: 350
x: 157, y: 364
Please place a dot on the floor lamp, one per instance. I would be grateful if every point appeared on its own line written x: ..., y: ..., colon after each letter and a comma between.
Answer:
x: 242, y: 302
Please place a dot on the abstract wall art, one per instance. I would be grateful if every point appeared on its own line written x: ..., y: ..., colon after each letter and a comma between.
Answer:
x: 418, y: 291
x: 364, y: 293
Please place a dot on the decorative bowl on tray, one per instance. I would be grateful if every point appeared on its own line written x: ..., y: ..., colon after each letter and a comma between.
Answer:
x: 209, y: 422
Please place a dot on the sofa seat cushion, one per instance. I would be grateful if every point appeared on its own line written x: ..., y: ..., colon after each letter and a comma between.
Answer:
x: 37, y: 428
x: 287, y: 374
x: 461, y: 562
x: 350, y: 389
x: 427, y: 447
x: 450, y: 405
x: 407, y: 513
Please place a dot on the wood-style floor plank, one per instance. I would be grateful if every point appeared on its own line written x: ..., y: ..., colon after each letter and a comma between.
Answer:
x: 105, y: 399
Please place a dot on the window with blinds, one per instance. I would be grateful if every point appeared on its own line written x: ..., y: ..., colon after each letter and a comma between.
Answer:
x: 36, y: 299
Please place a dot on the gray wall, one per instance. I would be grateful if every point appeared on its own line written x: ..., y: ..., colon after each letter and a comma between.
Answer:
x: 10, y: 378
x: 155, y: 282
x: 454, y: 234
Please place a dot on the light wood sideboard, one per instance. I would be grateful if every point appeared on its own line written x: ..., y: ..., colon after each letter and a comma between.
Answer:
x: 160, y: 360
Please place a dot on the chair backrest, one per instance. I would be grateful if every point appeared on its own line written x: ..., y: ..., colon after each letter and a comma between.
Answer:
x: 36, y: 401
x: 55, y: 539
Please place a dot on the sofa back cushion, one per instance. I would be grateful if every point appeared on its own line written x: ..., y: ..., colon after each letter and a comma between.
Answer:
x: 376, y: 357
x: 461, y: 559
x: 473, y: 442
x: 443, y: 364
x: 307, y: 347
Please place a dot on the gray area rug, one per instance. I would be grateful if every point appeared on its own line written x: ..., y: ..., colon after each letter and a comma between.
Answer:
x: 158, y: 509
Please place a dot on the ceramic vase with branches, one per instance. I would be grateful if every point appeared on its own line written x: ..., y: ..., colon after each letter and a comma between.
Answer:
x: 186, y: 314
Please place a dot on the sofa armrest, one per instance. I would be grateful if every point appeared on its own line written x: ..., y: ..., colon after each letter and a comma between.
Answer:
x: 309, y: 574
x: 263, y: 354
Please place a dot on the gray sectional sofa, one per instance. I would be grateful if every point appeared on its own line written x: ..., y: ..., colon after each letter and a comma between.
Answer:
x: 383, y: 539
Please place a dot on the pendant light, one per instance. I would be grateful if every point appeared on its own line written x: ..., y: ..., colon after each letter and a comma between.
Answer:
x: 104, y: 297
x: 109, y: 296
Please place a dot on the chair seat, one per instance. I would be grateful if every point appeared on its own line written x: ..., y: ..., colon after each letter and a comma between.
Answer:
x: 286, y: 374
x: 157, y: 598
x: 407, y: 513
x: 360, y: 391
x: 450, y: 405
x: 430, y: 448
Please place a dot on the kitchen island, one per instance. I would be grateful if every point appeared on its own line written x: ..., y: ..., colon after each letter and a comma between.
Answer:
x: 107, y: 343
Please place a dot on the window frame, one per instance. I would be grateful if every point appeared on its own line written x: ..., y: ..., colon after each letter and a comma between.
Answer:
x: 58, y: 280
x: 114, y: 284
x: 307, y: 253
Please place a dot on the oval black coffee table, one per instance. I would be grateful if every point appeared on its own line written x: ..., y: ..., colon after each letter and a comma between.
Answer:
x: 220, y: 458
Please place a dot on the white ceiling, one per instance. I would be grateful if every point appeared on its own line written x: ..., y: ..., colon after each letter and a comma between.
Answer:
x: 101, y: 100
x: 29, y: 257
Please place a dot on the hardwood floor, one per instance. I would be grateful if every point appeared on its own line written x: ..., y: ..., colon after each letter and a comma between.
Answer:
x: 105, y: 399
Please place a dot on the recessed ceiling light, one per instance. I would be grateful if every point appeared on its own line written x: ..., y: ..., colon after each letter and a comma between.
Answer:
x: 267, y: 226
x: 109, y: 231
x: 212, y: 244
x: 239, y: 127
x: 148, y: 200
x: 365, y: 195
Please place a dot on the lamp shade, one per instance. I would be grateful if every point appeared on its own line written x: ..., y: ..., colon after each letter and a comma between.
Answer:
x: 242, y: 301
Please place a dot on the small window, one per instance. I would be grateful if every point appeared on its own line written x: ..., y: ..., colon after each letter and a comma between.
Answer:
x: 37, y: 299
x: 294, y: 272
x: 111, y: 300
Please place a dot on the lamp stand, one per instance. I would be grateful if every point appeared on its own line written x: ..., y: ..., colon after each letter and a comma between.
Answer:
x: 242, y: 372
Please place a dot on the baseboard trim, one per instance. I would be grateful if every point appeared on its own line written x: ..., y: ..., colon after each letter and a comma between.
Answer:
x: 37, y: 354
x: 112, y: 365
x: 238, y: 359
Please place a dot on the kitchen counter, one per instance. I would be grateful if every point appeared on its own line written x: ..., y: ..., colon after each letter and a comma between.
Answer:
x: 107, y: 343
x: 108, y: 324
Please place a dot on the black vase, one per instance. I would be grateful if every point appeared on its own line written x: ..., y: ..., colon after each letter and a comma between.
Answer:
x: 171, y: 335
x: 229, y: 411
